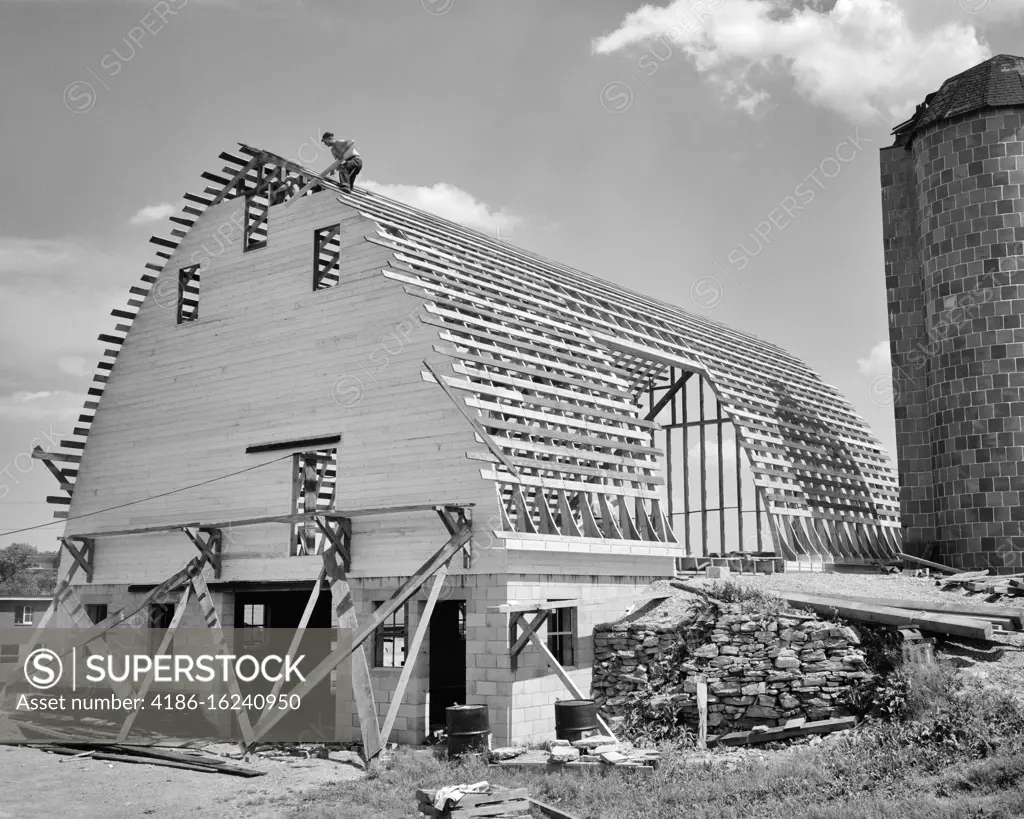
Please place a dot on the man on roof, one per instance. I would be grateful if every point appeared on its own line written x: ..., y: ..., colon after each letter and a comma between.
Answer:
x: 351, y: 163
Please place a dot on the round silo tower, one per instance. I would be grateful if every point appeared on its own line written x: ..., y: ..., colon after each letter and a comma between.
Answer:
x: 953, y: 201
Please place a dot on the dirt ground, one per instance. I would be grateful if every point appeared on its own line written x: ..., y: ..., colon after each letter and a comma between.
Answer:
x: 38, y: 784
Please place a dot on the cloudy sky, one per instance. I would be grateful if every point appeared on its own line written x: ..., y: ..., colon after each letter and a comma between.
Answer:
x: 718, y: 154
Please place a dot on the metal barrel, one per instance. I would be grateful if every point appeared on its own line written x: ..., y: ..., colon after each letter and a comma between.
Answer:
x: 575, y: 719
x: 468, y: 728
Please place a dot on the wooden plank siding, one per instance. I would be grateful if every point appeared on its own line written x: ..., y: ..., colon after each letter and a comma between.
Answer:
x: 262, y: 363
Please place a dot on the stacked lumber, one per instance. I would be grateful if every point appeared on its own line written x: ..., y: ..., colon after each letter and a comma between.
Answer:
x: 497, y: 803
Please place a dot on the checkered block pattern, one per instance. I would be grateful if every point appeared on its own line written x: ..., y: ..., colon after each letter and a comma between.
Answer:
x: 955, y: 279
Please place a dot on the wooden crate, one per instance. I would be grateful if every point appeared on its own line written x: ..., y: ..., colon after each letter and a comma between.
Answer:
x: 499, y: 802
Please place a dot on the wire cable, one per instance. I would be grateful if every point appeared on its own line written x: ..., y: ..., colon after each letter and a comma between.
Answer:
x: 145, y: 500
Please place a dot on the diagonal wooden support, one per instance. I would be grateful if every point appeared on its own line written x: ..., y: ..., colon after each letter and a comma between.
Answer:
x: 179, y: 612
x: 210, y: 548
x: 565, y: 678
x: 293, y: 647
x: 345, y: 650
x: 362, y: 684
x: 519, y: 643
x: 237, y: 179
x: 338, y: 532
x: 83, y: 557
x: 413, y: 653
x: 315, y: 181
x: 67, y: 484
x: 212, y: 618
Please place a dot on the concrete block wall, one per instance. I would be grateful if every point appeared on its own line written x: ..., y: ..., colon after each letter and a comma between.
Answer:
x: 534, y: 687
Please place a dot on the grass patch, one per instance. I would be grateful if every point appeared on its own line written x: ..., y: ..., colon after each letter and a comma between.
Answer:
x: 750, y: 599
x: 949, y: 752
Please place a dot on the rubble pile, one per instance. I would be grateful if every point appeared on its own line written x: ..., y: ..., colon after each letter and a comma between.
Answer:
x: 760, y: 669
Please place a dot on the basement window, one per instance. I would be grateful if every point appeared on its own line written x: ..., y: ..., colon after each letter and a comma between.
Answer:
x: 23, y: 615
x: 391, y: 638
x: 562, y: 635
x: 257, y: 211
x: 314, y: 477
x: 326, y: 256
x: 188, y: 294
x: 8, y: 654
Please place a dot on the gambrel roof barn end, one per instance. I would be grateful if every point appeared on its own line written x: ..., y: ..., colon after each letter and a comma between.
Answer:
x: 304, y: 367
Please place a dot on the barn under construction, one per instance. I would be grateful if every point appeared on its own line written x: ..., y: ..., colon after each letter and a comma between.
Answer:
x: 337, y: 411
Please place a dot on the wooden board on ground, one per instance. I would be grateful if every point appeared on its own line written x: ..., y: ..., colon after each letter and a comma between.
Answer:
x: 551, y: 811
x: 825, y: 726
x: 499, y: 802
x: 984, y: 611
x: 864, y: 612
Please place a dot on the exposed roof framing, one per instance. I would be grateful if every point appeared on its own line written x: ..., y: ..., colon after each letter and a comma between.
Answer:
x: 550, y: 363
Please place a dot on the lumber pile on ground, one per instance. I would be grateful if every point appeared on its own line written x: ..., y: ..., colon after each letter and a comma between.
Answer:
x: 496, y: 803
x: 152, y: 756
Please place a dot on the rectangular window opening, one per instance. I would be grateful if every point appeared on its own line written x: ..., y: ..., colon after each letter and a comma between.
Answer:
x: 188, y: 294
x: 8, y: 654
x: 391, y: 638
x: 255, y: 621
x: 97, y: 612
x: 326, y: 257
x: 23, y: 616
x: 257, y: 213
x: 562, y: 635
x: 314, y: 479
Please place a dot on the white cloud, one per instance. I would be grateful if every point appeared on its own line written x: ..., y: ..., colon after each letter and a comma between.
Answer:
x: 37, y: 406
x: 153, y: 213
x: 76, y: 366
x: 865, y: 59
x: 877, y: 361
x: 31, y: 255
x: 451, y: 203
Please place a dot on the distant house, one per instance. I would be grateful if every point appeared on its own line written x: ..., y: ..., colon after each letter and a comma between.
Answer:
x: 17, y: 612
x: 44, y: 562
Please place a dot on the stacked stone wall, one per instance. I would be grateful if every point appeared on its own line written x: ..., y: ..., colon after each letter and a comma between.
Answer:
x: 759, y: 669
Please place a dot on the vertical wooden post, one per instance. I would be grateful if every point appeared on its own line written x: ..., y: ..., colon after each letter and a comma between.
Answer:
x: 703, y: 469
x: 668, y: 446
x: 721, y: 479
x: 757, y: 516
x: 739, y: 486
x: 686, y: 473
x: 362, y: 688
x: 702, y: 713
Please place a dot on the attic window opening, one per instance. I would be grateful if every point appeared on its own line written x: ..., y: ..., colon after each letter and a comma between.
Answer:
x: 326, y: 257
x: 257, y: 212
x: 188, y: 294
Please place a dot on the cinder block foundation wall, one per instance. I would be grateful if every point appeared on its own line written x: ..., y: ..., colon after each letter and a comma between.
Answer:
x: 968, y: 177
x: 534, y: 687
x: 487, y: 680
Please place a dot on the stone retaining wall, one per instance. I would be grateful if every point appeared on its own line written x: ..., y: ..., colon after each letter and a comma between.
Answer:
x: 760, y: 670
